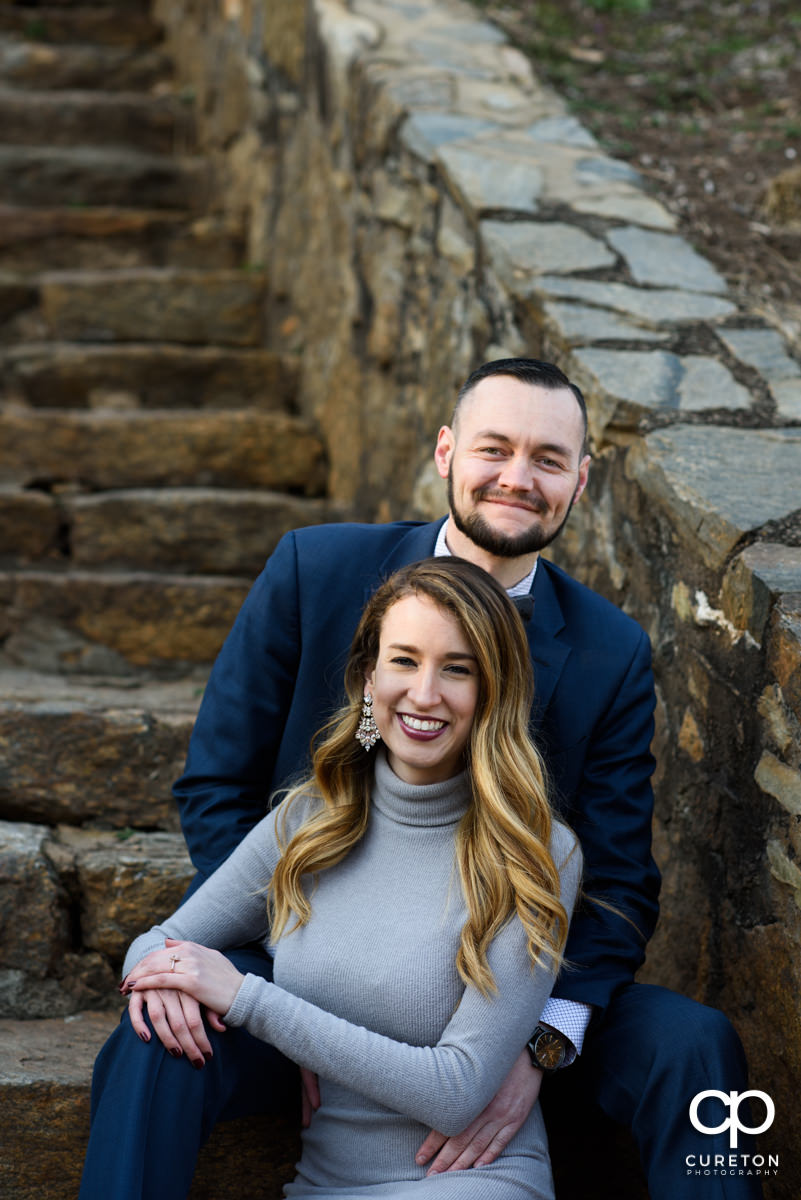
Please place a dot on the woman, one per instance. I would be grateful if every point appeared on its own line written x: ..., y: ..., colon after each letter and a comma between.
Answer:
x: 414, y: 909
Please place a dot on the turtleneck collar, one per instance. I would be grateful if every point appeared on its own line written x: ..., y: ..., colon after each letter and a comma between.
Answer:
x: 428, y: 804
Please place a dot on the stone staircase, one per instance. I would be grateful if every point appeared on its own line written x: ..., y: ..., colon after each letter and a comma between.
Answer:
x: 150, y: 458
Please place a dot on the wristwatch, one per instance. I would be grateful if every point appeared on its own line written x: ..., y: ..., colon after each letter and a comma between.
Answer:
x: 547, y: 1048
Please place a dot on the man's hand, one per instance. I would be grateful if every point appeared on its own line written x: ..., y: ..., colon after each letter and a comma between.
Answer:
x: 492, y: 1130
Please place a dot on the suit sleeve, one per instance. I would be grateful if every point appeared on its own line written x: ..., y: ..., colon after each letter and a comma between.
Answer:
x: 443, y: 1086
x: 611, y: 814
x: 223, y: 792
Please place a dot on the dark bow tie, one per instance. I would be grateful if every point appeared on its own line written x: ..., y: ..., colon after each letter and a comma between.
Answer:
x: 524, y: 605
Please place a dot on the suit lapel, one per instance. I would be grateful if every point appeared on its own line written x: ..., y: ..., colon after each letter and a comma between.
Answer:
x: 548, y: 652
x: 417, y: 543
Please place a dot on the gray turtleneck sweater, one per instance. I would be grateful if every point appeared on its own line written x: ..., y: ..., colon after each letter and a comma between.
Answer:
x: 368, y: 996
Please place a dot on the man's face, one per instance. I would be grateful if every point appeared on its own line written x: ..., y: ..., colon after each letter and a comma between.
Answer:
x: 513, y: 464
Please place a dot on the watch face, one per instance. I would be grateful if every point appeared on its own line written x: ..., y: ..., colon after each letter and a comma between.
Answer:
x: 549, y: 1050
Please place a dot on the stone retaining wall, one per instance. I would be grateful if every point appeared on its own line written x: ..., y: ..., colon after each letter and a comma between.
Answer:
x: 422, y: 204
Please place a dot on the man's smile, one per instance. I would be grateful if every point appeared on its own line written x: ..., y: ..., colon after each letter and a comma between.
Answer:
x: 536, y: 505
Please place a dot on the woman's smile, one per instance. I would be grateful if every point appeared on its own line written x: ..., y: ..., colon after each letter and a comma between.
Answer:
x: 424, y: 727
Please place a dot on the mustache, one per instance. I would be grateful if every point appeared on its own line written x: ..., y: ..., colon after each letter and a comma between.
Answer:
x: 532, y: 501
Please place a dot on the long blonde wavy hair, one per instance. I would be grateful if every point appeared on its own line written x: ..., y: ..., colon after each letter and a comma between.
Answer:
x: 502, y: 842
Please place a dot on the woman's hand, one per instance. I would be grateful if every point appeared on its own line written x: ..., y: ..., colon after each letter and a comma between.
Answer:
x: 177, y: 1021
x: 205, y: 975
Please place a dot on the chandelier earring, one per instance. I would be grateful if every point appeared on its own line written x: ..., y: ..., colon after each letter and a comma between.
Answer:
x: 367, y: 734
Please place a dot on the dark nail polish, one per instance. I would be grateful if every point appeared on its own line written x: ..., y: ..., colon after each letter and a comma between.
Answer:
x: 145, y: 1038
x: 175, y: 1053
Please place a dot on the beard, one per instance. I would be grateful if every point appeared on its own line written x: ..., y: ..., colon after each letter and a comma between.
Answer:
x: 503, y: 545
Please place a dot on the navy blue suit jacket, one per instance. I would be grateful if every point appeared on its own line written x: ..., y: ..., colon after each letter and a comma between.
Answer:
x: 279, y: 676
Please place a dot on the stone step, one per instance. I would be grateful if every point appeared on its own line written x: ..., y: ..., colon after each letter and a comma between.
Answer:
x: 104, y: 449
x: 94, y: 751
x: 60, y: 26
x: 207, y: 531
x: 45, y: 1075
x: 201, y: 530
x: 60, y: 65
x: 114, y: 239
x: 150, y: 375
x: 70, y: 901
x: 115, y: 623
x: 100, y: 239
x: 34, y: 175
x: 155, y: 304
x: 124, y: 882
x: 154, y: 124
x: 31, y: 527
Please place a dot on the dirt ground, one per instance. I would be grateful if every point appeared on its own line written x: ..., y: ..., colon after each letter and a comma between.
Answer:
x: 704, y: 98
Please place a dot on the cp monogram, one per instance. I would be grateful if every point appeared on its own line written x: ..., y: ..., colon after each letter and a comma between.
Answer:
x: 732, y: 1100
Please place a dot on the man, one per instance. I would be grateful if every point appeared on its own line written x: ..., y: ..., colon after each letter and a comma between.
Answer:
x: 515, y: 462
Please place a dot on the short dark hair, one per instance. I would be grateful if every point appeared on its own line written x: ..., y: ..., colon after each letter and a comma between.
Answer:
x: 527, y: 370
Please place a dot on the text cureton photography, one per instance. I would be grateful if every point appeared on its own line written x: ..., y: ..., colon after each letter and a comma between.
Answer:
x: 741, y: 1163
x: 732, y: 1164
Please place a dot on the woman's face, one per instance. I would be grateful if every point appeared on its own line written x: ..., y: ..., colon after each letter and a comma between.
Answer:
x: 424, y: 688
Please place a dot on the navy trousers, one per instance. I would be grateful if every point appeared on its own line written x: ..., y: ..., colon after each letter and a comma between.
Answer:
x: 151, y: 1113
x: 643, y: 1063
